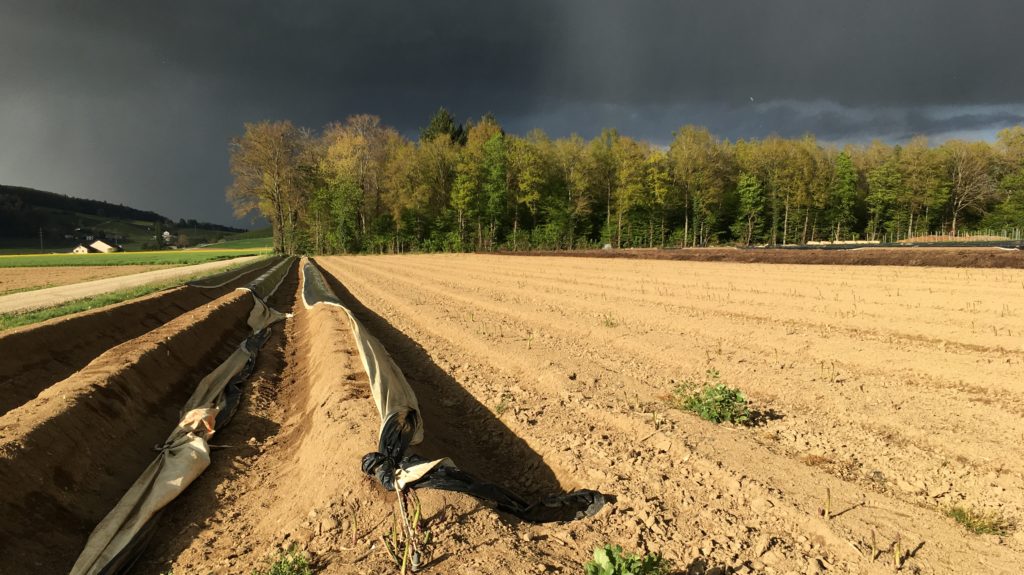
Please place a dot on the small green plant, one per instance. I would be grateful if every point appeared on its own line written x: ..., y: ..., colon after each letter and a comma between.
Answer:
x: 712, y: 400
x: 502, y: 405
x: 981, y: 523
x: 610, y: 560
x: 409, y: 540
x: 290, y: 562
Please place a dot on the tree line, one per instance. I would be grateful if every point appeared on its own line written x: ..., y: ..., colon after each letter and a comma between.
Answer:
x: 362, y: 186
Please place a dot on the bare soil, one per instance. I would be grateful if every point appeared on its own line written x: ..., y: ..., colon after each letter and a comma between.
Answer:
x: 289, y: 468
x: 68, y: 455
x: 887, y: 394
x: 296, y: 479
x: 20, y: 279
x: 37, y: 356
x: 897, y: 389
x: 893, y: 390
x: 973, y: 257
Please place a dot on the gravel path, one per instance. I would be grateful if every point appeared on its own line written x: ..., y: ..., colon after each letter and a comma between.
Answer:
x: 36, y: 299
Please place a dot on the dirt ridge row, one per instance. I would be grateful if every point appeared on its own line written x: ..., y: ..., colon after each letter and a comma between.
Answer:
x: 42, y: 354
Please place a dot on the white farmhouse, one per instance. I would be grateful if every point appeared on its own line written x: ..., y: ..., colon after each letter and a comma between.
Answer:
x: 103, y: 247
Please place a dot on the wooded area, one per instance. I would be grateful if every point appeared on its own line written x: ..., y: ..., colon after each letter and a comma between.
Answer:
x: 362, y: 186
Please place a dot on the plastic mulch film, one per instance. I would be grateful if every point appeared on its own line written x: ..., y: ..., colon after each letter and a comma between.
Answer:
x: 392, y: 394
x: 224, y: 278
x: 402, y: 427
x: 117, y: 541
x: 269, y: 281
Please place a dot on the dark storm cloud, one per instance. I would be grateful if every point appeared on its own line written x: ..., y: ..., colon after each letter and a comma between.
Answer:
x: 134, y: 101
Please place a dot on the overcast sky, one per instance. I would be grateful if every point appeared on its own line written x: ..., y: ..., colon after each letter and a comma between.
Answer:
x: 134, y: 102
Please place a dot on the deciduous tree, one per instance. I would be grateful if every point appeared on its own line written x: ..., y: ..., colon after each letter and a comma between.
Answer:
x: 265, y: 163
x: 749, y: 222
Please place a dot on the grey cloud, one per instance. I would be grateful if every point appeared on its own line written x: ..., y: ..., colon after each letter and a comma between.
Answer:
x: 135, y: 101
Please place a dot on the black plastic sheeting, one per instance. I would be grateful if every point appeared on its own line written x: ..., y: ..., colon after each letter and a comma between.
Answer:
x: 396, y: 436
x: 123, y: 562
x: 384, y: 463
x: 233, y: 390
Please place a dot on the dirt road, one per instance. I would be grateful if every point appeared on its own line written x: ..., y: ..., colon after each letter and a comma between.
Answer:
x: 36, y: 299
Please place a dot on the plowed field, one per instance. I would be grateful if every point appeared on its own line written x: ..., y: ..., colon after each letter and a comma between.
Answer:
x: 899, y: 390
x: 882, y: 397
x: 22, y: 279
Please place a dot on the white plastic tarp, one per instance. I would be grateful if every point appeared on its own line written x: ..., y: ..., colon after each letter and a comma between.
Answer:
x: 183, y: 457
x: 392, y: 394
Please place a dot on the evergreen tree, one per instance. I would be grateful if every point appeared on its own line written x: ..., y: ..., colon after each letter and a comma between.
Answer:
x: 443, y: 122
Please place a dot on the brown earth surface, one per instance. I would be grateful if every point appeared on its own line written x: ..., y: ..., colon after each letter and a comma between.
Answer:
x: 892, y: 392
x: 22, y: 279
x: 895, y: 391
x: 68, y: 455
x: 973, y: 257
x: 291, y: 472
x: 39, y: 355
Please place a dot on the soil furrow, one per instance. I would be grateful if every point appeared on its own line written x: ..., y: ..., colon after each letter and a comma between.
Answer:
x: 37, y: 356
x: 927, y: 410
x: 455, y: 306
x: 67, y: 456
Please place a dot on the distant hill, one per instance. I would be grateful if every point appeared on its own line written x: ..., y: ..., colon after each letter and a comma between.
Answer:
x: 65, y: 221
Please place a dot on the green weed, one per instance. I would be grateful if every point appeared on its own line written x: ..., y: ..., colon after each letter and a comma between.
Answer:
x: 712, y: 400
x: 980, y: 522
x: 290, y: 562
x: 409, y: 541
x: 610, y: 560
x: 166, y: 257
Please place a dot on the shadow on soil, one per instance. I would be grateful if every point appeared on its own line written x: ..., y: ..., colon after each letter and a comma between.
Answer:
x: 456, y: 424
x: 41, y: 355
x: 187, y: 516
x: 763, y: 417
x: 701, y: 566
